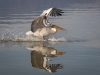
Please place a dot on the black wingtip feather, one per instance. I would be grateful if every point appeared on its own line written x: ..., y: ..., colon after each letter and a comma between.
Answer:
x: 56, y: 12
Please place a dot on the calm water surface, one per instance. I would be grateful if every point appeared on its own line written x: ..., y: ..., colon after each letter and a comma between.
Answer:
x: 79, y: 55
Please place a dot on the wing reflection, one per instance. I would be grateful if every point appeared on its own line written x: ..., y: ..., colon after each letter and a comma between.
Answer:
x: 40, y: 57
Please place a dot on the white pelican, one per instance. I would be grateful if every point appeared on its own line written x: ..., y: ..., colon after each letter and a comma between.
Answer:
x: 41, y: 54
x: 40, y: 27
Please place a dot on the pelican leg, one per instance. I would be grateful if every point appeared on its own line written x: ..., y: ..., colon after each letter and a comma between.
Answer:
x: 44, y: 38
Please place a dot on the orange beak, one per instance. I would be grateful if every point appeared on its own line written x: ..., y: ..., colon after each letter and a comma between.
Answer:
x: 60, y: 53
x: 58, y: 28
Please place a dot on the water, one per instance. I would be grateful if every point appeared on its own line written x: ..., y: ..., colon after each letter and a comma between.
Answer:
x: 76, y: 51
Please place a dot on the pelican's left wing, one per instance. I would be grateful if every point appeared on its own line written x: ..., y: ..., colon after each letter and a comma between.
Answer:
x: 52, y: 12
x: 38, y: 23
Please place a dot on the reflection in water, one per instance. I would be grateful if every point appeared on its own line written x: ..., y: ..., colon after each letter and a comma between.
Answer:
x: 40, y: 56
x: 11, y: 45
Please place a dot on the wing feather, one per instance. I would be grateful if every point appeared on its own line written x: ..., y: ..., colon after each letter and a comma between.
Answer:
x: 52, y: 12
x: 37, y: 24
x: 56, y: 12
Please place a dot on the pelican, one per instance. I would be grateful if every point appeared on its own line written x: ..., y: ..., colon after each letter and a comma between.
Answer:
x: 40, y: 27
x: 41, y: 54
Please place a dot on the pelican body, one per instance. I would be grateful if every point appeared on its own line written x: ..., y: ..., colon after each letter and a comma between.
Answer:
x: 40, y: 27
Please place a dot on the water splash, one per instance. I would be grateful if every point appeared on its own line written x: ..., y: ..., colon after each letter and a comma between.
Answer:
x: 55, y: 39
x: 11, y: 36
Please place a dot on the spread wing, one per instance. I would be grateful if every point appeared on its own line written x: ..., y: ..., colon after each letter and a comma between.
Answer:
x: 52, y: 12
x: 42, y: 20
x: 38, y: 23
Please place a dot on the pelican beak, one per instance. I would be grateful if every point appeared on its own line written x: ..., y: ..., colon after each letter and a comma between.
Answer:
x: 58, y: 28
x: 60, y: 53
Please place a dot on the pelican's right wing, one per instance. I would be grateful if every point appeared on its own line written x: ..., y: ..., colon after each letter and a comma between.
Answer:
x: 52, y: 12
